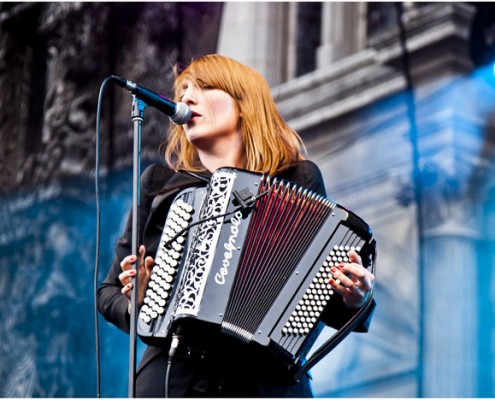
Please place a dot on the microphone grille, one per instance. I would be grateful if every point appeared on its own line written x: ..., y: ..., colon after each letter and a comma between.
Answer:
x: 182, y: 114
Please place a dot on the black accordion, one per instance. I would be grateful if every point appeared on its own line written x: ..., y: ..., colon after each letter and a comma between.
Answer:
x: 251, y: 256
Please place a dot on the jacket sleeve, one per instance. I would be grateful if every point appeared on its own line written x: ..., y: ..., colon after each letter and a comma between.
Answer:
x: 112, y: 304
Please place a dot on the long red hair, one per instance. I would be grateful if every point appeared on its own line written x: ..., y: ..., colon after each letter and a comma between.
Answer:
x: 270, y: 145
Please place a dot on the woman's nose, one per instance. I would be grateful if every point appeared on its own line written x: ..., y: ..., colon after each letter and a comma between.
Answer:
x: 189, y: 96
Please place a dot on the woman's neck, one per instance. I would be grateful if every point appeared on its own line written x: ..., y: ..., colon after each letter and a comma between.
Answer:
x: 215, y: 154
x: 214, y: 161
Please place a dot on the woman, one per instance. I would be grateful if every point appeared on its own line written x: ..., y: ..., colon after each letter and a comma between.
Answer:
x: 234, y: 123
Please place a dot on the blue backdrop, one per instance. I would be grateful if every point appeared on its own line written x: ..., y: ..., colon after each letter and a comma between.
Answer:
x: 47, y: 253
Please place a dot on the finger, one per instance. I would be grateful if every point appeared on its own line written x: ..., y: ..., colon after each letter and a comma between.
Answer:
x: 355, y: 270
x: 337, y: 286
x: 358, y: 274
x: 340, y: 276
x: 127, y: 262
x: 126, y: 276
x: 149, y: 263
x: 126, y: 290
x: 354, y: 257
x: 141, y: 251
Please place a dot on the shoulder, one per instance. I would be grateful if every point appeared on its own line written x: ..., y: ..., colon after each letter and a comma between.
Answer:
x: 154, y: 177
x: 305, y: 173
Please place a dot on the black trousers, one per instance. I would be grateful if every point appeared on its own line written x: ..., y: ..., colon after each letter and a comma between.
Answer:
x: 201, y: 374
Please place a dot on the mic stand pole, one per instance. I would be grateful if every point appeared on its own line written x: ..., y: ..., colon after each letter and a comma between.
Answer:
x: 137, y: 118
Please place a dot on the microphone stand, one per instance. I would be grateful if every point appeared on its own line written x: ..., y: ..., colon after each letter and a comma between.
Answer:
x: 137, y: 119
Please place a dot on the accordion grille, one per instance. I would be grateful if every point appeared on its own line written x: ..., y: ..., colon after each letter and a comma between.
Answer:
x: 284, y: 223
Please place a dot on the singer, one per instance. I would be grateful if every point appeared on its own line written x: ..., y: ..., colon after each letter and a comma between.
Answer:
x: 235, y: 123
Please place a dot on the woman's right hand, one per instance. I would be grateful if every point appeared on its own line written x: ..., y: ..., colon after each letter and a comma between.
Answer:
x: 127, y: 275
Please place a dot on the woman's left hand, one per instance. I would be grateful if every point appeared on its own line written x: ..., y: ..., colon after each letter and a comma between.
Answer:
x: 352, y: 281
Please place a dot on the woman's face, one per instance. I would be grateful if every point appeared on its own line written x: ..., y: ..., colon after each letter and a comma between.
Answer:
x: 215, y: 116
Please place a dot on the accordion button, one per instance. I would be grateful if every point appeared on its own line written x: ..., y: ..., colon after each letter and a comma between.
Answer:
x: 187, y: 217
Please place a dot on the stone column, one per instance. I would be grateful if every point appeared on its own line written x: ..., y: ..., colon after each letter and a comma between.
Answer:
x: 256, y: 34
x: 449, y: 283
x: 343, y: 31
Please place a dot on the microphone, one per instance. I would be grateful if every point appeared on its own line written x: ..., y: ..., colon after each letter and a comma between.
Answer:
x: 179, y: 113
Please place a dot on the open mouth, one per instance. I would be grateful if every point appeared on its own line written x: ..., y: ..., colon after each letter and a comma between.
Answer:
x: 194, y: 114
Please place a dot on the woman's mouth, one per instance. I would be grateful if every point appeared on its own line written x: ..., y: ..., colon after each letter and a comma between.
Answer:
x: 194, y: 115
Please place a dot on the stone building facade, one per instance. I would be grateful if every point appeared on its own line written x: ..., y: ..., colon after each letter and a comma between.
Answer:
x: 433, y: 331
x: 340, y: 76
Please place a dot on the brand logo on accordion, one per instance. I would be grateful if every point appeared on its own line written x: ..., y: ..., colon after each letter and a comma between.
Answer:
x: 229, y: 247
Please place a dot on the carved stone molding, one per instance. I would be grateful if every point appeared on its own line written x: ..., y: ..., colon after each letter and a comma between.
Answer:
x: 53, y: 59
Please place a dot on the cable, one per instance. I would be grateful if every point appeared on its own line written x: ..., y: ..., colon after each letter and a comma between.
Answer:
x: 97, y: 257
x: 171, y: 354
x: 245, y: 204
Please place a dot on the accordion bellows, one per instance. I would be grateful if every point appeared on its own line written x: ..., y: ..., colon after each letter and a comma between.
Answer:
x: 250, y: 255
